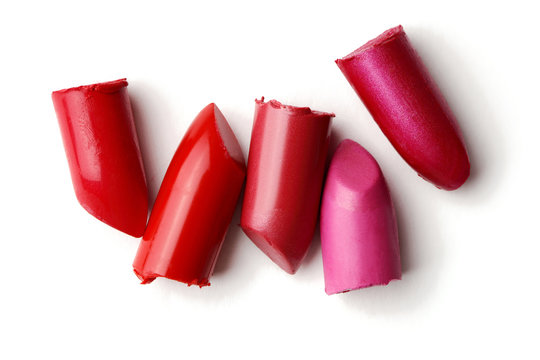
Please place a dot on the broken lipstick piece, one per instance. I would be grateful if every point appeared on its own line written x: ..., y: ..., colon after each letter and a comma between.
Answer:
x: 195, y: 204
x: 284, y: 181
x: 396, y: 88
x: 359, y: 238
x: 103, y: 153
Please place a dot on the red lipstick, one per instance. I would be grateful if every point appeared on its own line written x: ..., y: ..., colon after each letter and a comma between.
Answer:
x: 103, y: 153
x: 195, y: 204
x: 284, y: 181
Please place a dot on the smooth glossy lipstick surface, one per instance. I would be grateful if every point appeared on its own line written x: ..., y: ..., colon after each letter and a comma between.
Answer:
x: 359, y: 238
x: 195, y: 204
x: 103, y: 153
x: 285, y: 174
x: 395, y: 86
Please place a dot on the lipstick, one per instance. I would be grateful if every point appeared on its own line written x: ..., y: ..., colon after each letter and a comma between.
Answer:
x: 359, y: 238
x: 195, y: 204
x: 397, y: 89
x: 103, y: 153
x: 285, y: 173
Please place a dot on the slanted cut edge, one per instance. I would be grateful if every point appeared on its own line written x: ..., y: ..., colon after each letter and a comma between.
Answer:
x: 297, y: 110
x: 354, y: 168
x: 268, y: 248
x: 382, y: 39
x: 228, y: 138
x: 95, y: 213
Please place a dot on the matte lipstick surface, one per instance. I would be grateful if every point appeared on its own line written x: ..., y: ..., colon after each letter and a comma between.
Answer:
x: 285, y: 174
x: 359, y: 238
x: 195, y: 204
x: 396, y: 88
x: 103, y: 153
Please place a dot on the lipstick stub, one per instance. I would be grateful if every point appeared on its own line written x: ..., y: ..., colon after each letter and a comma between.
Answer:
x: 286, y: 167
x: 359, y: 238
x: 103, y: 153
x: 195, y: 204
x: 397, y: 89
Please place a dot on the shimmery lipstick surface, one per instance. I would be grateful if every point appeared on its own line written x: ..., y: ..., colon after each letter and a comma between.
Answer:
x: 395, y: 86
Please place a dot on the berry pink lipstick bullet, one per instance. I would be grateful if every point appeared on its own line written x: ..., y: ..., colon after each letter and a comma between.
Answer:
x: 195, y: 204
x: 396, y: 88
x: 285, y: 174
x: 359, y: 238
x: 103, y: 153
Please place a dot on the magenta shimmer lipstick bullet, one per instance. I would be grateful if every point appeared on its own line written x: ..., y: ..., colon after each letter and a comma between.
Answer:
x: 396, y: 88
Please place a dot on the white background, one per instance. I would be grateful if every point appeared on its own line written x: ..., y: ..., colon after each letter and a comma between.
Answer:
x: 470, y: 258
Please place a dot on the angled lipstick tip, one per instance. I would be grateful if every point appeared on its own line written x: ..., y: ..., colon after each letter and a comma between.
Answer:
x: 265, y: 244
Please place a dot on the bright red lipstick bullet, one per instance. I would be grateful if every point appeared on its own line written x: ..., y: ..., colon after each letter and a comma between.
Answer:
x: 396, y: 88
x: 285, y: 174
x: 195, y: 204
x: 103, y: 153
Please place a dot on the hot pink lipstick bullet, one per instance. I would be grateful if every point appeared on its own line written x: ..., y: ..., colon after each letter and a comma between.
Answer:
x: 359, y: 237
x: 396, y: 88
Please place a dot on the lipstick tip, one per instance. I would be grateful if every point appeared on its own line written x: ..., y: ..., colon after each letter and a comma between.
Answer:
x: 228, y: 138
x: 365, y: 172
x: 132, y: 223
x: 265, y: 245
